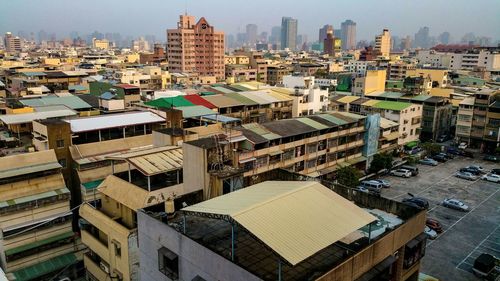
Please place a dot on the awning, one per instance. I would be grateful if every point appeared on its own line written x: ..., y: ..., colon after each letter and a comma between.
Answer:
x: 92, y: 184
x: 237, y: 138
x: 392, y: 136
x: 417, y: 240
x: 247, y: 160
x: 411, y: 144
x: 46, y: 267
x: 275, y: 152
x: 39, y: 243
x: 356, y: 160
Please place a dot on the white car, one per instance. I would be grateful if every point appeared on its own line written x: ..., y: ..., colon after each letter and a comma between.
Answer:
x: 401, y: 173
x: 455, y: 204
x: 475, y: 167
x: 491, y: 177
x: 462, y: 145
x: 431, y: 234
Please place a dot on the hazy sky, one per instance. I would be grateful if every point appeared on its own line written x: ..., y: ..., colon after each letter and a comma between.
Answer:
x: 402, y: 17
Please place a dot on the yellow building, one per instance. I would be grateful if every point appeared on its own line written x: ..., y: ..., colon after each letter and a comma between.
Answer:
x: 372, y: 82
x: 438, y: 76
x: 383, y: 43
x: 154, y: 175
x: 100, y: 44
x: 237, y: 59
x: 33, y: 193
x: 52, y: 61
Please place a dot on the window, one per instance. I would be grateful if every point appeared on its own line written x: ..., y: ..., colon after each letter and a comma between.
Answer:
x: 168, y: 263
x: 118, y: 248
x: 62, y: 162
x: 60, y: 143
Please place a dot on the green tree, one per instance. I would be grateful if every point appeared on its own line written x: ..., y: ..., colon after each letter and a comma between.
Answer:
x: 381, y: 161
x: 348, y: 176
x: 431, y: 148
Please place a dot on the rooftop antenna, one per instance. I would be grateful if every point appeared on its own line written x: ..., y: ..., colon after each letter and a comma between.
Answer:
x: 185, y: 8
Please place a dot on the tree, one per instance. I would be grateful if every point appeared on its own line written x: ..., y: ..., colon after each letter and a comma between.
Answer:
x: 381, y: 161
x: 431, y: 148
x: 348, y: 176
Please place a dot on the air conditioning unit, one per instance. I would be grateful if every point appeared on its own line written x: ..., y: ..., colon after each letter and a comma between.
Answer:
x: 104, y: 267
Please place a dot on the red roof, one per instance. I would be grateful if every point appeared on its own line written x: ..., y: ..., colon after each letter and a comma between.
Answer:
x: 126, y: 86
x: 195, y: 99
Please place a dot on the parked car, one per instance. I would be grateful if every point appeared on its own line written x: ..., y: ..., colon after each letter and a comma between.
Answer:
x: 447, y: 155
x: 371, y: 185
x: 434, y: 225
x: 401, y: 173
x: 476, y: 167
x: 412, y: 169
x: 455, y: 204
x: 467, y: 153
x: 453, y: 150
x: 442, y: 138
x: 439, y: 158
x: 428, y: 161
x: 492, y: 158
x: 431, y: 234
x: 486, y: 266
x: 366, y: 190
x: 495, y: 171
x: 466, y: 176
x: 468, y: 170
x: 462, y: 145
x: 418, y: 202
x: 385, y: 183
x: 491, y: 177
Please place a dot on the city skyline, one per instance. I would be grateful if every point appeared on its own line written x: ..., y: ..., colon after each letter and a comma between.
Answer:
x: 156, y: 21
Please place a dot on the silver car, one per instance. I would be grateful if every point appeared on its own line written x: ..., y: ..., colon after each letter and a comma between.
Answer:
x: 455, y: 204
x: 465, y: 175
x: 401, y: 173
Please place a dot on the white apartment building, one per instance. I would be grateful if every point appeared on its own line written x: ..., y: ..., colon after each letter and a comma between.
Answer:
x: 456, y: 61
x: 308, y: 98
x: 359, y: 67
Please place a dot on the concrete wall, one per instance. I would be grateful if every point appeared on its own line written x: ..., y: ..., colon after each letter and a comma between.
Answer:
x: 194, y: 259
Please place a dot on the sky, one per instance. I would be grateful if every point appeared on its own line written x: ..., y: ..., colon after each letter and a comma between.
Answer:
x: 136, y: 18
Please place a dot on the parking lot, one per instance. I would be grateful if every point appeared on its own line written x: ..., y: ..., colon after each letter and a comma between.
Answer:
x: 465, y: 234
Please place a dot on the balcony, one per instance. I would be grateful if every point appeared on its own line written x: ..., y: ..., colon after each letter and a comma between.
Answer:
x: 94, y: 268
x: 95, y: 245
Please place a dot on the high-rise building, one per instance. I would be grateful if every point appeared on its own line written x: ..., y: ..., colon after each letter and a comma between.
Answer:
x: 275, y: 35
x: 444, y: 38
x: 324, y: 31
x: 422, y: 38
x: 329, y: 44
x: 289, y: 33
x: 348, y: 35
x: 383, y: 43
x: 12, y: 43
x: 251, y: 34
x: 196, y: 48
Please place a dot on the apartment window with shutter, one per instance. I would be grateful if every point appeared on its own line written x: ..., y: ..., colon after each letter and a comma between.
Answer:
x: 168, y: 263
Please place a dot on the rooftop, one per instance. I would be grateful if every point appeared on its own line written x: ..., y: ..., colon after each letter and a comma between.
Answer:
x: 392, y: 105
x: 70, y: 101
x: 79, y: 125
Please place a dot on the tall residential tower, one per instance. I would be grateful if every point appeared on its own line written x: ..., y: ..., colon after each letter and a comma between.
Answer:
x: 348, y: 35
x: 196, y: 48
x: 289, y: 33
x: 383, y: 43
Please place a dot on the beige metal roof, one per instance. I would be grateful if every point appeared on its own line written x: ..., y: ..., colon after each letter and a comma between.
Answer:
x: 348, y: 99
x: 370, y: 102
x: 27, y: 163
x: 386, y: 123
x: 154, y: 160
x: 296, y: 219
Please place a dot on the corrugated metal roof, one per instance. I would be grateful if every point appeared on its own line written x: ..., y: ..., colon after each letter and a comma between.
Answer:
x: 352, y: 115
x: 294, y: 219
x: 312, y: 123
x: 259, y: 97
x: 370, y: 102
x: 348, y: 99
x: 262, y: 131
x: 386, y: 123
x: 392, y: 105
x: 242, y: 99
x: 195, y: 111
x: 221, y: 118
x: 222, y: 101
x: 112, y: 121
x: 332, y: 119
x: 169, y: 102
x: 197, y: 100
x: 223, y: 90
x: 154, y: 161
x: 12, y: 119
x: 289, y: 127
x: 70, y: 101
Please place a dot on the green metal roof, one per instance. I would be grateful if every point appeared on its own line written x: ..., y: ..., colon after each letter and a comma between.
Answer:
x: 312, y: 123
x: 392, y: 105
x: 34, y: 197
x: 195, y: 111
x: 39, y: 243
x: 419, y: 97
x: 92, y: 184
x: 72, y: 102
x: 170, y: 102
x: 46, y: 267
x: 207, y: 94
x: 29, y: 170
x: 244, y: 100
x: 391, y: 95
x: 222, y: 89
x: 332, y: 119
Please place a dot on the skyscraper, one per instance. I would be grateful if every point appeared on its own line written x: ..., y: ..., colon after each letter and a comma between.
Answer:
x: 251, y: 34
x: 383, y: 43
x: 289, y: 33
x: 444, y: 38
x: 329, y: 44
x: 422, y: 38
x: 275, y: 36
x: 348, y: 35
x: 324, y: 31
x: 196, y: 48
x: 12, y: 43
